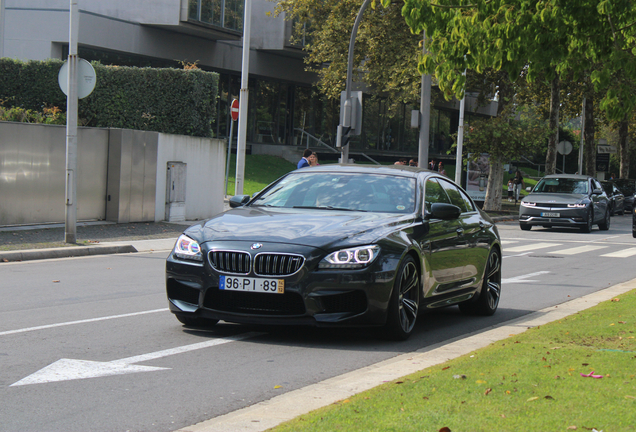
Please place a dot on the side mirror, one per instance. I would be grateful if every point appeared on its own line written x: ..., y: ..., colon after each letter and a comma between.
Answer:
x: 239, y: 200
x: 444, y: 211
x: 528, y: 189
x: 597, y: 191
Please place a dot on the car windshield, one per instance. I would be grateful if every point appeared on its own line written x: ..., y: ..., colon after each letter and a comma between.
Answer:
x: 562, y: 185
x: 628, y: 187
x: 341, y: 191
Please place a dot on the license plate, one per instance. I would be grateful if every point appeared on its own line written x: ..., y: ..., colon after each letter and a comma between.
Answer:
x: 237, y: 283
x: 548, y: 214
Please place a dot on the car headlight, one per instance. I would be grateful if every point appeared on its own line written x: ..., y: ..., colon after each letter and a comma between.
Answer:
x: 577, y: 205
x: 528, y: 204
x: 187, y: 248
x: 352, y: 258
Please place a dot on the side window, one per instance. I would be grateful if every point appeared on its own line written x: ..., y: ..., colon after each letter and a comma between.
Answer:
x: 596, y: 184
x: 457, y: 197
x: 434, y: 194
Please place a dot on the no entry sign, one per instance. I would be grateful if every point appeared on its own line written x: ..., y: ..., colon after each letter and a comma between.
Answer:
x: 234, y: 110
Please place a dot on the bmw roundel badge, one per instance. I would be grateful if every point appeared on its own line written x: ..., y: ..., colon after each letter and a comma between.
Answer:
x: 256, y: 246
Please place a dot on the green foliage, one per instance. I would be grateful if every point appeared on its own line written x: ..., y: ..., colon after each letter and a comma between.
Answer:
x: 47, y: 116
x: 508, y: 136
x: 163, y: 100
x: 260, y: 170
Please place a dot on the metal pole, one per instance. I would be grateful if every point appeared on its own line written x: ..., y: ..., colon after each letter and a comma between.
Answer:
x: 71, y: 128
x: 243, y: 99
x: 582, y: 141
x: 460, y: 140
x: 425, y: 115
x: 352, y: 42
x: 229, y: 152
x: 2, y: 28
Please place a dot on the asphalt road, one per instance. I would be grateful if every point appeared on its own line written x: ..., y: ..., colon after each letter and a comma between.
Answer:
x: 129, y: 365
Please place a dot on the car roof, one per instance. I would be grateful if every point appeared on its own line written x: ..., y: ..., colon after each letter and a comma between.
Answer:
x: 402, y: 170
x: 572, y: 176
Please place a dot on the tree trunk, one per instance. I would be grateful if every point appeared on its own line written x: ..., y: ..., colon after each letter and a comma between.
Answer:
x: 492, y: 202
x: 551, y: 155
x: 623, y: 148
x: 590, y: 145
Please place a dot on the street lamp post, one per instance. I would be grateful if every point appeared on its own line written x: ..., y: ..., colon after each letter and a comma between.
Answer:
x: 71, y: 128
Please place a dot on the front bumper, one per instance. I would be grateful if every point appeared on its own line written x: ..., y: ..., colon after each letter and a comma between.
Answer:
x: 317, y: 298
x: 554, y: 216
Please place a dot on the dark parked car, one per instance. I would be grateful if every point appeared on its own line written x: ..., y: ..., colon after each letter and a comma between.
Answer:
x: 615, y: 196
x: 565, y: 200
x: 339, y: 245
x: 628, y: 187
x: 634, y: 222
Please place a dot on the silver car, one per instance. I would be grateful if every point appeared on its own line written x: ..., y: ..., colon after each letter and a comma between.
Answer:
x: 566, y: 200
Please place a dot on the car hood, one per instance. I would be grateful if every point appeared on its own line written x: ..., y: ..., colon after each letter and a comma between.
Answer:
x: 315, y: 228
x: 562, y: 198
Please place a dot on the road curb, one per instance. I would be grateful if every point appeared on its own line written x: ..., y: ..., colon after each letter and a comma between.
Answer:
x: 63, y: 252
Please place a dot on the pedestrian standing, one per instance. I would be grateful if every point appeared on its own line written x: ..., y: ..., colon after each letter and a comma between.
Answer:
x: 518, y: 182
x: 304, y: 161
x: 511, y: 187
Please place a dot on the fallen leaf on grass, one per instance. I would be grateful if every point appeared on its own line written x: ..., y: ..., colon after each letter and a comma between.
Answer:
x: 616, y: 299
x: 572, y: 427
x: 630, y: 397
x: 591, y: 375
x: 445, y: 429
x: 447, y: 367
x: 548, y: 397
x: 532, y: 399
x: 399, y: 382
x: 488, y: 390
x: 480, y: 382
x: 459, y: 376
x: 278, y: 386
x: 56, y: 281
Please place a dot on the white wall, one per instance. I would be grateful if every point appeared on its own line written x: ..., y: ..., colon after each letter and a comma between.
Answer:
x: 205, y: 180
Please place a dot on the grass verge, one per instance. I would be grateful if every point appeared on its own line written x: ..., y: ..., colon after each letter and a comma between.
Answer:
x: 528, y: 382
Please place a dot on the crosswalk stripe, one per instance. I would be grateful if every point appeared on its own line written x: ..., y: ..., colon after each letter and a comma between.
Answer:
x: 531, y: 247
x: 578, y: 250
x: 625, y: 253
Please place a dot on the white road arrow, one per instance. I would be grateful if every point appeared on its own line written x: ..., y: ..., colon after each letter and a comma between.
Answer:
x: 69, y: 369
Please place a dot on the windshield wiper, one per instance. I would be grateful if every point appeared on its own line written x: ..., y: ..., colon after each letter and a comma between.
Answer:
x: 327, y: 208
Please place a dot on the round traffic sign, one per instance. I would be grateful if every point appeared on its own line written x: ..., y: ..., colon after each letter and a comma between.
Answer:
x: 85, y: 78
x: 234, y: 109
x: 564, y: 147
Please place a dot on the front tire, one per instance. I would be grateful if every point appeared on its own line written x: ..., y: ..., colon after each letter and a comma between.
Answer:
x: 488, y: 300
x: 587, y: 228
x: 404, y: 303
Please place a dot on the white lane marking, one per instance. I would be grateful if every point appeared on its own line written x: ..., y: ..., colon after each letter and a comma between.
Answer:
x: 70, y: 369
x: 28, y: 329
x: 578, y: 250
x: 625, y: 253
x: 531, y: 247
x: 523, y: 278
x: 505, y: 242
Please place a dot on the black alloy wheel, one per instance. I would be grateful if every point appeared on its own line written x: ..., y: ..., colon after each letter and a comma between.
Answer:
x: 488, y: 300
x: 405, y: 301
x: 587, y: 228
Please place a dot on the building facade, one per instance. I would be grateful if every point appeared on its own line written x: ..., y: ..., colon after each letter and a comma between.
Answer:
x: 283, y: 107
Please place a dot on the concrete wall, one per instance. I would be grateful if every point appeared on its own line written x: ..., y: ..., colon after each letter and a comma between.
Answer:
x: 121, y: 174
x: 33, y: 173
x: 205, y: 159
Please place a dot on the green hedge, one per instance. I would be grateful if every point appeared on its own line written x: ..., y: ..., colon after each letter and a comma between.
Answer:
x: 164, y: 100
